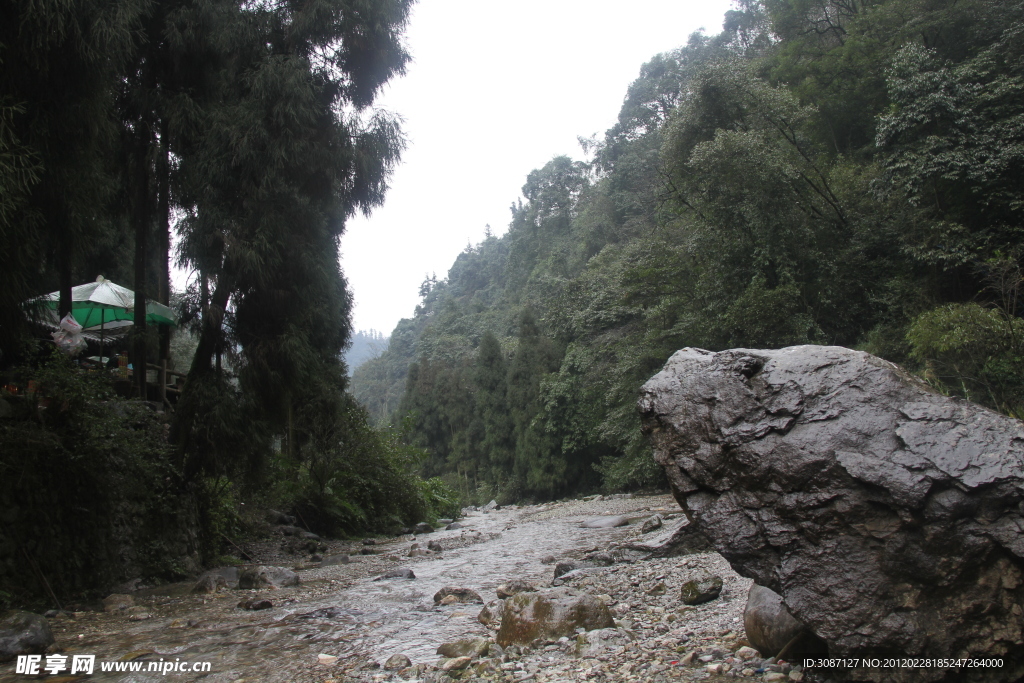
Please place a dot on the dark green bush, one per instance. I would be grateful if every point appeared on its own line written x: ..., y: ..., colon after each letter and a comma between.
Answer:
x: 440, y: 499
x: 90, y: 497
x: 973, y: 351
x: 349, y: 478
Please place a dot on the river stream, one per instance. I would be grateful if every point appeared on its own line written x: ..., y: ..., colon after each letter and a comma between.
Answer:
x: 341, y: 610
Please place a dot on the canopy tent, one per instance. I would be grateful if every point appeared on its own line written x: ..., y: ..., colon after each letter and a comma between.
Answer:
x: 102, y: 308
x: 97, y: 304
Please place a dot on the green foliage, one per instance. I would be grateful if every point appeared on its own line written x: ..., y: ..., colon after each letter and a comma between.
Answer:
x: 349, y: 478
x: 631, y: 471
x: 61, y: 62
x: 218, y: 502
x: 768, y: 318
x: 224, y: 439
x: 977, y: 351
x: 90, y: 494
x: 441, y: 501
x: 248, y: 129
x: 772, y: 224
x: 492, y: 408
x: 954, y: 137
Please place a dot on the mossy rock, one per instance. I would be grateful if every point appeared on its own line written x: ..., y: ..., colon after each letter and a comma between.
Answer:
x: 704, y: 589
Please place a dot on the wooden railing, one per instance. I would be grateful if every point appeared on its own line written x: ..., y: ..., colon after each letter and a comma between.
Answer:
x: 162, y: 374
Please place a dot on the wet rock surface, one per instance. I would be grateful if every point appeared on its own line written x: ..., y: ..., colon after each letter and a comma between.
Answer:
x: 514, y: 587
x: 769, y: 625
x: 529, y: 616
x: 221, y: 578
x: 403, y: 573
x: 255, y: 604
x: 266, y: 577
x: 397, y: 662
x: 23, y: 633
x: 888, y: 517
x: 701, y: 589
x: 117, y: 602
x: 681, y: 538
x: 454, y: 594
x: 651, y: 524
x: 466, y: 647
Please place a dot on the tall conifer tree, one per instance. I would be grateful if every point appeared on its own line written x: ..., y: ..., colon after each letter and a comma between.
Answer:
x: 61, y: 62
x: 492, y: 406
x: 276, y: 169
x: 537, y: 463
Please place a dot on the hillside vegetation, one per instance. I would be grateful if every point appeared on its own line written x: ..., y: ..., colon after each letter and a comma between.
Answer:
x: 822, y: 171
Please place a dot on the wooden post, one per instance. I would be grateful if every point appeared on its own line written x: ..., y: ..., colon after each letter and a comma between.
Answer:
x: 291, y: 432
x: 162, y: 378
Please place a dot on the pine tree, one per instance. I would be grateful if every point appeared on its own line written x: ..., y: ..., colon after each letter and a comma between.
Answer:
x: 537, y: 465
x: 61, y: 63
x: 491, y: 379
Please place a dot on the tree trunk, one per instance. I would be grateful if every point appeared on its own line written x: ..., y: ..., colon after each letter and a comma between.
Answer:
x: 209, y: 338
x: 164, y: 249
x: 164, y: 238
x: 141, y: 220
x: 291, y: 433
x: 190, y: 402
x: 64, y: 265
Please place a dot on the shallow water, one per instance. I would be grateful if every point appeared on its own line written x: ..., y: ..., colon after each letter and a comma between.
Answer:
x: 334, y: 614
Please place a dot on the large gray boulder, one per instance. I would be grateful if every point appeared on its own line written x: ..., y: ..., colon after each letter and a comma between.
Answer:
x: 887, y: 516
x: 23, y: 633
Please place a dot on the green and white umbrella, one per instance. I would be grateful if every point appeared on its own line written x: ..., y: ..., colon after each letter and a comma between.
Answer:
x: 97, y: 304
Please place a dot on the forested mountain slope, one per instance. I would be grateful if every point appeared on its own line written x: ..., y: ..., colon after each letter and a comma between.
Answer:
x: 363, y: 346
x: 827, y: 172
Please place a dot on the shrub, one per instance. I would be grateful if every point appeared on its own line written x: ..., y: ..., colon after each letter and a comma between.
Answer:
x: 973, y: 351
x: 350, y: 478
x: 90, y: 496
x: 440, y: 499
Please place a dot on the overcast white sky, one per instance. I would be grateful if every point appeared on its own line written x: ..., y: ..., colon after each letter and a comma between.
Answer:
x: 495, y: 90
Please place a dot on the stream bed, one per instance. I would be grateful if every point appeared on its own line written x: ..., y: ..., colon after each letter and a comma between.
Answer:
x: 341, y: 610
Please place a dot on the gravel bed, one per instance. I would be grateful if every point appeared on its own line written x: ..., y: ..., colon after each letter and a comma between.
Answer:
x: 656, y: 638
x: 660, y: 639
